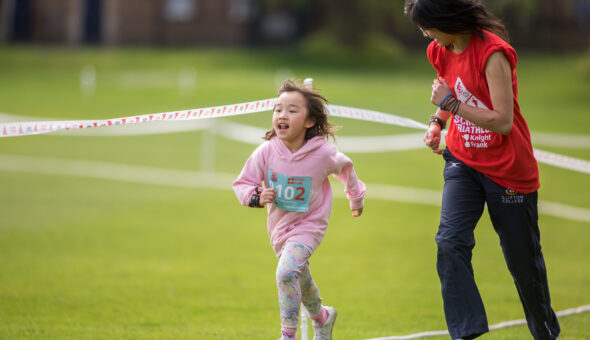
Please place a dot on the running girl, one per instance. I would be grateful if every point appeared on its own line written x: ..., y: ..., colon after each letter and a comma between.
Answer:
x: 294, y: 164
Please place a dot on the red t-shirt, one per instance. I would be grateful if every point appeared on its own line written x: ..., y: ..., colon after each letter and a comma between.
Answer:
x: 506, y: 159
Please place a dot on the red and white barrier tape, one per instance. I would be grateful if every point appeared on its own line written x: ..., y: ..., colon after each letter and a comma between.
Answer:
x: 14, y: 129
x: 373, y: 116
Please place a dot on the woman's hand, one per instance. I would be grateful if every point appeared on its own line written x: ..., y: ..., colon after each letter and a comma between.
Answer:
x: 440, y: 89
x: 432, y: 138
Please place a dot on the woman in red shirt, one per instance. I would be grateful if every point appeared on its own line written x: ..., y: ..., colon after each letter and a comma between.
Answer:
x: 489, y: 160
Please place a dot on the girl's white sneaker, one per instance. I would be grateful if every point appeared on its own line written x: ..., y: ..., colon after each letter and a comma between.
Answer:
x: 324, y: 332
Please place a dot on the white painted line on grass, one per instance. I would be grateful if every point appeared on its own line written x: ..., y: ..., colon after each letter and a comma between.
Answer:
x: 501, y: 325
x: 564, y: 211
x: 221, y: 181
x: 561, y: 140
x: 117, y: 172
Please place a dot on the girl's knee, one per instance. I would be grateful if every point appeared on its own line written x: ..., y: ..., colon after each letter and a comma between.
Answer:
x: 287, y: 277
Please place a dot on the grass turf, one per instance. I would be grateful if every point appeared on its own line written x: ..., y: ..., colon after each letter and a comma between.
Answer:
x: 83, y: 258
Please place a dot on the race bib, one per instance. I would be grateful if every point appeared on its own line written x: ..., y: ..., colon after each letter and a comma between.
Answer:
x: 292, y: 191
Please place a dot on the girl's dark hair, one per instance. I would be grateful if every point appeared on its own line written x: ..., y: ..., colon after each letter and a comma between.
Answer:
x: 455, y: 17
x: 316, y: 110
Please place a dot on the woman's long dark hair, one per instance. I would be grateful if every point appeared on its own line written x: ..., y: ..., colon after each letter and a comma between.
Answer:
x: 455, y: 17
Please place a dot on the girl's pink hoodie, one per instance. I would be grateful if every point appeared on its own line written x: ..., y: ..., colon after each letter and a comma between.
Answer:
x: 317, y: 159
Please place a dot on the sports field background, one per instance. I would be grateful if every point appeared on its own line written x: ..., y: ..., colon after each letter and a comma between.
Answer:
x: 89, y: 258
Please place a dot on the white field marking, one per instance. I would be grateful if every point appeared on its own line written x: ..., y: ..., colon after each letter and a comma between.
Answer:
x: 505, y: 324
x: 117, y: 172
x: 567, y: 212
x: 253, y: 135
x: 562, y: 161
x: 407, y: 141
x: 395, y: 193
x: 221, y: 181
x: 561, y: 140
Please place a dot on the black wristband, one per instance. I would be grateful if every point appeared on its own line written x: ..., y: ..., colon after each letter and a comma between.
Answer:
x: 440, y: 122
x: 255, y: 199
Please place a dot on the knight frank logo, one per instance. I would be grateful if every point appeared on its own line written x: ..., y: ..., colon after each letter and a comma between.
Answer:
x: 477, y: 141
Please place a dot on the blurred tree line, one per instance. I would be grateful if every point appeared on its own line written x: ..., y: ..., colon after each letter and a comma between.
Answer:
x: 378, y: 28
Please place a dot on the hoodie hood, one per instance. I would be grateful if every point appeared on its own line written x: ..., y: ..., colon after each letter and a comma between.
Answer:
x: 284, y: 153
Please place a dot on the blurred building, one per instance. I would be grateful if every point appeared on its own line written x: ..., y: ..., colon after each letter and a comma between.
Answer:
x: 550, y: 24
x: 145, y: 22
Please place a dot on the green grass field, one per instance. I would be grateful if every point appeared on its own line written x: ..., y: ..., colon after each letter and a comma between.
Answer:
x: 91, y: 258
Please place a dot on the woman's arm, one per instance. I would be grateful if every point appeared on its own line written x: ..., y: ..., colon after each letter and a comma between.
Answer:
x: 499, y: 77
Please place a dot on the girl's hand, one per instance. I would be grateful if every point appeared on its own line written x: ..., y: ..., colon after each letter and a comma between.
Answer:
x: 440, y: 89
x: 267, y: 195
x: 357, y: 212
x: 432, y: 138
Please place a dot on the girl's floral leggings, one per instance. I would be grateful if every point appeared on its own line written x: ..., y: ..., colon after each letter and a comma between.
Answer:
x: 296, y: 285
